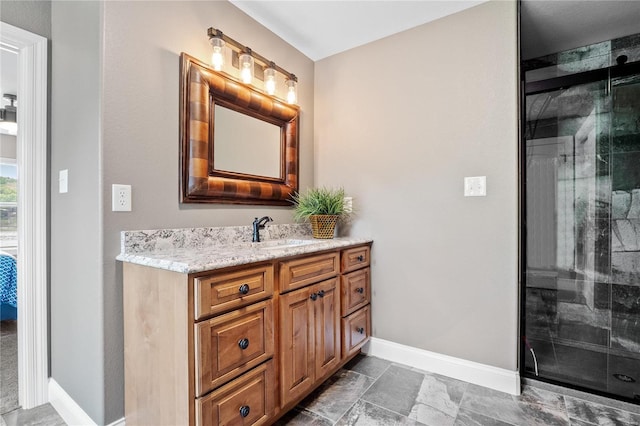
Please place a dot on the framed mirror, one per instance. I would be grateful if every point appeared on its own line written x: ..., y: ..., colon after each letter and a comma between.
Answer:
x: 237, y: 144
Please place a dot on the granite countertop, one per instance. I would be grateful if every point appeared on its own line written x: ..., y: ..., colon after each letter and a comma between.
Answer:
x: 202, y: 249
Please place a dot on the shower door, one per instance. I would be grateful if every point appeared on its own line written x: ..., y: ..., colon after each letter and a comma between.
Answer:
x: 581, y: 310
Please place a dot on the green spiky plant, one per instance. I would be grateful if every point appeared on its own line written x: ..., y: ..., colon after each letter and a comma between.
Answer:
x: 318, y: 201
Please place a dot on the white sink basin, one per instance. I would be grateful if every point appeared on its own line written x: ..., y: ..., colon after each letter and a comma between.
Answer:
x: 283, y: 244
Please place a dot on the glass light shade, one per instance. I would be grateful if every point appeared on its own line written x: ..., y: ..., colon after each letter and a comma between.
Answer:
x: 246, y: 68
x: 292, y: 91
x: 217, y: 58
x: 270, y: 80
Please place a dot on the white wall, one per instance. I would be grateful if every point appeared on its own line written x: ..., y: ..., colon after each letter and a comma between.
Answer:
x: 400, y: 122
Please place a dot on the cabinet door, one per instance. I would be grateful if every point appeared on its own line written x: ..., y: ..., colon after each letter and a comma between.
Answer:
x: 326, y: 308
x: 296, y: 344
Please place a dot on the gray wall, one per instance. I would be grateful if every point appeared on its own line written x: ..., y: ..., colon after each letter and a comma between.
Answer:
x: 30, y: 15
x: 400, y: 122
x: 116, y: 121
x: 409, y: 141
x: 77, y: 309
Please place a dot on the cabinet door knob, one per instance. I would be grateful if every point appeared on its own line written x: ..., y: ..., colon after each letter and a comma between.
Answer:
x: 313, y: 296
x: 244, y: 410
x: 360, y: 258
x: 244, y: 289
x: 360, y: 330
x: 243, y: 343
x: 321, y: 293
x: 360, y: 290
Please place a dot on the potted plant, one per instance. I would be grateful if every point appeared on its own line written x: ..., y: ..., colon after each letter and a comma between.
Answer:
x: 322, y: 207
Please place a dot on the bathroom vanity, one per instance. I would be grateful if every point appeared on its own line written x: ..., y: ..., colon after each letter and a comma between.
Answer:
x: 237, y: 332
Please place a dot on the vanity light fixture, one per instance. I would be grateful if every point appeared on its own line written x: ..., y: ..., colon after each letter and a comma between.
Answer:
x: 217, y: 57
x: 8, y: 116
x: 270, y: 78
x: 246, y: 67
x: 266, y: 70
x: 292, y: 90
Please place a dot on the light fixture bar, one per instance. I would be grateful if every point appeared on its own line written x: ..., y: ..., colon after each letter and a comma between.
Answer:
x: 213, y: 32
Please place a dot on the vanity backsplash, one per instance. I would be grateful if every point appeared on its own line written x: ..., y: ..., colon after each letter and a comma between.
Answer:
x: 164, y: 240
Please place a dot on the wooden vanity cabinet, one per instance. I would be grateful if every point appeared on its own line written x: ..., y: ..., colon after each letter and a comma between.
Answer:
x: 240, y: 345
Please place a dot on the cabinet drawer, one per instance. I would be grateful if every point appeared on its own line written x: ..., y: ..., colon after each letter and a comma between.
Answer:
x: 355, y: 258
x: 356, y: 291
x: 307, y: 270
x: 221, y: 292
x: 356, y: 329
x: 248, y: 400
x: 230, y: 344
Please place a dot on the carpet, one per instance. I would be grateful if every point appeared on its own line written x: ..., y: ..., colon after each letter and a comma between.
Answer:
x: 9, y: 366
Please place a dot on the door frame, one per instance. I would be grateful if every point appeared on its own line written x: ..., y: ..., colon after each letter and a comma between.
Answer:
x: 33, y: 359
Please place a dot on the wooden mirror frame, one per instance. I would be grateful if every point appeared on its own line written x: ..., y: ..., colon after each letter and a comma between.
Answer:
x: 201, y: 88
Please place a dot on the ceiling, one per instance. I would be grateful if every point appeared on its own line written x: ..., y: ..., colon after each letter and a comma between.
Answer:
x: 321, y: 28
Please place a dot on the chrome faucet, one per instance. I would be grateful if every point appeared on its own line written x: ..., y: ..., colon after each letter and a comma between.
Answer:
x: 258, y: 224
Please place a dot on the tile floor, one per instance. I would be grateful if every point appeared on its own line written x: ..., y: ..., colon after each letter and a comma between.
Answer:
x: 372, y: 391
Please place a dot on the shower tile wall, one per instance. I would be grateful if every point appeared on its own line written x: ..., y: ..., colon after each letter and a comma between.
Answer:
x: 582, y: 291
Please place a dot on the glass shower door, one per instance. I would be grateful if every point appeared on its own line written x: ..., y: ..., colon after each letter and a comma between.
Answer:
x: 567, y: 323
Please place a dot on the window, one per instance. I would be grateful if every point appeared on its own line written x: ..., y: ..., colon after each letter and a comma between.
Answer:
x: 8, y: 205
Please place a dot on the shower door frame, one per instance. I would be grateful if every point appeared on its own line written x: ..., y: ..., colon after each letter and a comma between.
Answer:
x: 536, y: 87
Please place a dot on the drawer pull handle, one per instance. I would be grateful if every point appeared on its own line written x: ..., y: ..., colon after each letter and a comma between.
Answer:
x: 244, y: 410
x: 360, y: 258
x: 360, y: 330
x: 321, y: 293
x: 360, y: 290
x: 243, y: 343
x: 244, y: 289
x: 313, y: 296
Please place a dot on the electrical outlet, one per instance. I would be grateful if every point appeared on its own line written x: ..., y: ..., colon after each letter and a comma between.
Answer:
x: 120, y: 198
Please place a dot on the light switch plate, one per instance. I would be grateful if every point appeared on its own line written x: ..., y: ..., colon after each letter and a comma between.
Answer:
x: 120, y: 198
x: 348, y: 204
x: 63, y: 181
x: 475, y: 186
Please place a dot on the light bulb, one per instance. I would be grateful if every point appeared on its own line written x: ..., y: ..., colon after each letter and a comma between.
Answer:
x: 246, y: 68
x: 217, y: 58
x: 292, y: 95
x: 270, y: 80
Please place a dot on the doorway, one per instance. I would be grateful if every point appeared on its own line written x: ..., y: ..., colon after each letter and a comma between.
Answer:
x: 32, y: 188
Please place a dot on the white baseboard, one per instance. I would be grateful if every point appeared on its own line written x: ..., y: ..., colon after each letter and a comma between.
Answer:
x: 480, y: 374
x: 69, y: 410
